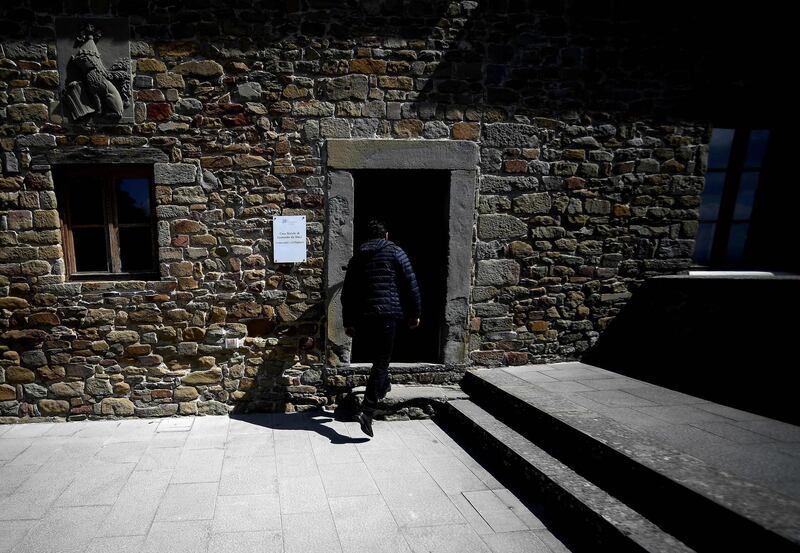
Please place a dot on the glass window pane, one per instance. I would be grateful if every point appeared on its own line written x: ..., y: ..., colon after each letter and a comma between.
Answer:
x: 736, y: 241
x: 719, y: 149
x: 136, y: 248
x: 756, y: 148
x: 703, y: 243
x: 90, y: 249
x: 133, y: 201
x: 712, y: 194
x: 86, y: 201
x: 746, y: 195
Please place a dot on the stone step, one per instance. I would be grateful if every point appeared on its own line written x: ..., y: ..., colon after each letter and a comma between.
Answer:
x: 590, y: 517
x: 704, y: 507
x: 408, y: 401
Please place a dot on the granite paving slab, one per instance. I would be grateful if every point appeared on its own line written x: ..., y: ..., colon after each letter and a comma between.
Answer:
x: 261, y: 483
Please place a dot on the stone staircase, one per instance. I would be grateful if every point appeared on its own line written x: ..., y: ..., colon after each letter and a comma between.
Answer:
x: 607, y: 487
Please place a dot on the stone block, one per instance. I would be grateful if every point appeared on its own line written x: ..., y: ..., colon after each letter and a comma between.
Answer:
x: 19, y: 375
x: 204, y: 68
x: 500, y: 226
x: 211, y: 376
x: 497, y: 272
x: 331, y: 127
x: 510, y: 135
x: 185, y: 393
x: 8, y: 392
x: 528, y: 204
x: 53, y: 407
x: 353, y: 87
x: 249, y: 92
x: 118, y: 406
x: 175, y: 173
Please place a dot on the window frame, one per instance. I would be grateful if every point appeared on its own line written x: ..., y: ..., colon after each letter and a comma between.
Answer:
x: 734, y: 170
x: 111, y: 175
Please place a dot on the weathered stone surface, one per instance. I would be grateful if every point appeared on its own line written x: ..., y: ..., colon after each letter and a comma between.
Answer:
x: 122, y: 336
x: 53, y: 407
x: 435, y: 129
x: 491, y: 184
x: 497, y: 272
x: 34, y: 358
x: 185, y: 393
x: 119, y: 406
x: 67, y: 389
x: 175, y: 173
x: 211, y: 376
x: 499, y: 226
x: 343, y: 88
x: 249, y: 92
x: 334, y: 128
x: 313, y: 108
x: 10, y: 302
x: 19, y: 375
x: 25, y: 51
x: 212, y: 408
x: 205, y: 68
x: 188, y: 106
x: 98, y: 387
x: 149, y: 65
x: 597, y: 207
x: 533, y: 203
x: 510, y: 135
x: 7, y: 392
x: 368, y: 66
x: 466, y: 131
x: 27, y: 112
x: 37, y: 141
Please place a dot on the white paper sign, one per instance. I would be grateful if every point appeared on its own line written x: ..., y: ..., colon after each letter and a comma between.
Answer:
x: 289, y: 238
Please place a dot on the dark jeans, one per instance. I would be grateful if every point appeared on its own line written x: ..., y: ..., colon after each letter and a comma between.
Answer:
x: 377, y: 339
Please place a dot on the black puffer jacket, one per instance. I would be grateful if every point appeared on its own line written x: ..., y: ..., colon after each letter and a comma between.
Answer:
x: 379, y: 283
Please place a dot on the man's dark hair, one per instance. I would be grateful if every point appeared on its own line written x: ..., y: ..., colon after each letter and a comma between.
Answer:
x: 376, y: 229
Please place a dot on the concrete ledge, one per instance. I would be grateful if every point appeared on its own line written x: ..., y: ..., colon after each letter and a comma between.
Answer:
x: 446, y: 155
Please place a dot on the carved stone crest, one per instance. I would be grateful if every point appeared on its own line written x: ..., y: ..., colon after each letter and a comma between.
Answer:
x: 96, y: 78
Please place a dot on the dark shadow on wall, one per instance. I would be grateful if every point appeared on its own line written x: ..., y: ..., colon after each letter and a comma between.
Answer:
x: 533, y: 57
x: 728, y: 340
x: 616, y: 59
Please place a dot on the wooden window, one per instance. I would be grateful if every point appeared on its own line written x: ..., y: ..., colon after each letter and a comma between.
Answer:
x: 735, y: 162
x: 108, y: 223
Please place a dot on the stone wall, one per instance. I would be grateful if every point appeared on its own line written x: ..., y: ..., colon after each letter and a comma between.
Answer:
x: 589, y: 184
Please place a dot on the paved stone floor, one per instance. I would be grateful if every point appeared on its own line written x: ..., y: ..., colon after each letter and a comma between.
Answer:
x: 264, y: 483
x: 756, y: 448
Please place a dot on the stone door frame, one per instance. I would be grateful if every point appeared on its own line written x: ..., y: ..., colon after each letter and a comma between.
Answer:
x: 461, y: 158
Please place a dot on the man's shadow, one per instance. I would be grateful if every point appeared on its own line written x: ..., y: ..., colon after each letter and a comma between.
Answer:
x: 312, y: 422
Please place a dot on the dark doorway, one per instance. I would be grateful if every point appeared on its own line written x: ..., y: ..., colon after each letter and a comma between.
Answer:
x: 415, y: 205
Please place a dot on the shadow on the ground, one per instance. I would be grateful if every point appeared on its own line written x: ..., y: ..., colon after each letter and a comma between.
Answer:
x: 311, y: 422
x: 714, y: 338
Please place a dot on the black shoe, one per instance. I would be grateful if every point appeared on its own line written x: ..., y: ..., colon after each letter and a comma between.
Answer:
x: 366, y: 424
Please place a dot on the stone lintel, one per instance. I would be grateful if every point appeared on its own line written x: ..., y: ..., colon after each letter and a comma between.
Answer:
x: 402, y: 154
x: 102, y: 156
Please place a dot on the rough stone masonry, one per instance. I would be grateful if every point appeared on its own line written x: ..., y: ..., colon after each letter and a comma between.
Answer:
x: 589, y: 183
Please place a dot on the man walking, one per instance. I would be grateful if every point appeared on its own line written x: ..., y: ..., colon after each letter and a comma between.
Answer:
x: 380, y: 290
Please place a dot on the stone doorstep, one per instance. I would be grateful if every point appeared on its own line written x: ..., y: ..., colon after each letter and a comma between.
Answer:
x: 408, y: 401
x: 404, y: 393
x: 774, y: 513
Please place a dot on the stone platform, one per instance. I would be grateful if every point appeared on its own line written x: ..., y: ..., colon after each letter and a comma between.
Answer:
x: 631, y: 465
